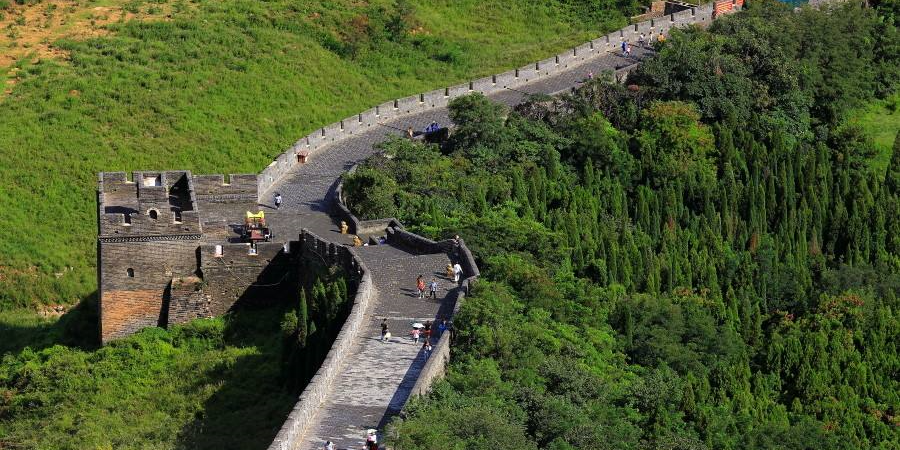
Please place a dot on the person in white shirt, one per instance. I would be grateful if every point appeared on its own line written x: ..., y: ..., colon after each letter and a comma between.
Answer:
x: 457, y: 272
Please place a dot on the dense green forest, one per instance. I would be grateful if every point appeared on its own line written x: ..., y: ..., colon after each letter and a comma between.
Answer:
x: 222, y: 383
x: 705, y: 258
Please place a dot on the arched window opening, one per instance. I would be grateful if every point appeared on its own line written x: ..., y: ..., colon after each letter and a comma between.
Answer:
x: 153, y: 214
x: 130, y: 272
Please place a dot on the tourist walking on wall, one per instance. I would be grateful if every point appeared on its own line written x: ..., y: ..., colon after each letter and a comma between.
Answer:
x: 428, y: 331
x: 624, y: 46
x: 432, y: 289
x: 420, y: 286
x: 641, y: 40
x: 449, y: 270
x: 415, y: 335
x: 277, y: 200
x: 385, y: 334
x: 442, y: 327
x: 372, y: 439
x: 426, y: 349
x: 457, y: 272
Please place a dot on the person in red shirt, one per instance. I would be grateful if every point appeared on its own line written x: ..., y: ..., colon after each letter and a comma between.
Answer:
x: 420, y: 286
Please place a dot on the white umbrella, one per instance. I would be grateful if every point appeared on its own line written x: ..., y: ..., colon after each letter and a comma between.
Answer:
x: 418, y: 325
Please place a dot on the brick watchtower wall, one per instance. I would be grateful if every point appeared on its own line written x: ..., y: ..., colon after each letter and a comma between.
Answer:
x: 235, y: 275
x: 148, y: 232
x: 167, y: 254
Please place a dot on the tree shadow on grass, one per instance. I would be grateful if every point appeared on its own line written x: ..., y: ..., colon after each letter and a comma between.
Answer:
x: 251, y: 401
x: 76, y: 328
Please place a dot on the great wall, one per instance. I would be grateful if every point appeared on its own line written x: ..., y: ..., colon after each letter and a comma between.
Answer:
x: 168, y: 250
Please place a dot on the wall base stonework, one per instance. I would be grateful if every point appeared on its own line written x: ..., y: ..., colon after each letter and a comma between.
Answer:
x: 188, y: 301
x: 126, y: 312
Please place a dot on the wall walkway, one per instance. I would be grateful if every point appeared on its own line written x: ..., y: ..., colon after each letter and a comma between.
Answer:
x: 364, y: 382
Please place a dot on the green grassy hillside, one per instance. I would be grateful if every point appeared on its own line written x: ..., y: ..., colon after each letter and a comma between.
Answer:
x: 222, y: 383
x: 880, y: 121
x: 214, y: 383
x: 224, y: 86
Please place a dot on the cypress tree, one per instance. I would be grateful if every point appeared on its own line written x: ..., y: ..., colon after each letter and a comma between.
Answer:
x: 335, y: 301
x: 302, y: 334
x: 892, y: 176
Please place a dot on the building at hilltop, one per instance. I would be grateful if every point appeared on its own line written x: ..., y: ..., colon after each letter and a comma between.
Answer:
x: 169, y: 249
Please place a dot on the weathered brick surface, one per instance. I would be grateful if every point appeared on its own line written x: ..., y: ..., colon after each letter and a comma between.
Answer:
x: 239, y: 276
x: 187, y: 300
x: 125, y: 312
x: 128, y: 209
x: 215, y: 185
x: 152, y: 264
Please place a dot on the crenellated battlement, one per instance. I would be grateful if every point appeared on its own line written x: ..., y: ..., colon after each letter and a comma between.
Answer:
x: 150, y: 204
x: 214, y: 188
x: 239, y: 254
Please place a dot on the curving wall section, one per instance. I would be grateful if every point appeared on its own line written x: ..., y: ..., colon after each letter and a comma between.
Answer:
x: 310, y: 144
x: 316, y: 392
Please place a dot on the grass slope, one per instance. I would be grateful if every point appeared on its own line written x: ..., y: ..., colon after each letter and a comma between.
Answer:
x: 213, y: 384
x: 224, y: 86
x: 880, y: 121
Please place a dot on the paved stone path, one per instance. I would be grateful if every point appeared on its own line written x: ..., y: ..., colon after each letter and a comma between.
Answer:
x: 375, y: 383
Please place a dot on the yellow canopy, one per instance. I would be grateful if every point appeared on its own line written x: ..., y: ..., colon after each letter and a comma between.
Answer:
x: 260, y: 215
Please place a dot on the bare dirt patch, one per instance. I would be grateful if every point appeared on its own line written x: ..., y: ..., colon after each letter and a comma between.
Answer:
x: 27, y: 32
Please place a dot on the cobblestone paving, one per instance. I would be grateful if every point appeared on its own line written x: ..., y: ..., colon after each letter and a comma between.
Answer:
x: 378, y: 377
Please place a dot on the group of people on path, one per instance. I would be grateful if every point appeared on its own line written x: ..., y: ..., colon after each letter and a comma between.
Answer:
x: 432, y: 127
x: 643, y: 42
x: 419, y: 331
x: 371, y: 441
x: 432, y: 287
x: 453, y: 271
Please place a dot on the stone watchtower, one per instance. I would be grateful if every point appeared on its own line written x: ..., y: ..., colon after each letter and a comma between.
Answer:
x: 148, y: 231
x: 169, y: 250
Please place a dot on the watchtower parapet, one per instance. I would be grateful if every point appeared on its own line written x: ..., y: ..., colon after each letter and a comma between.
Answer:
x: 239, y: 188
x: 151, y: 204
